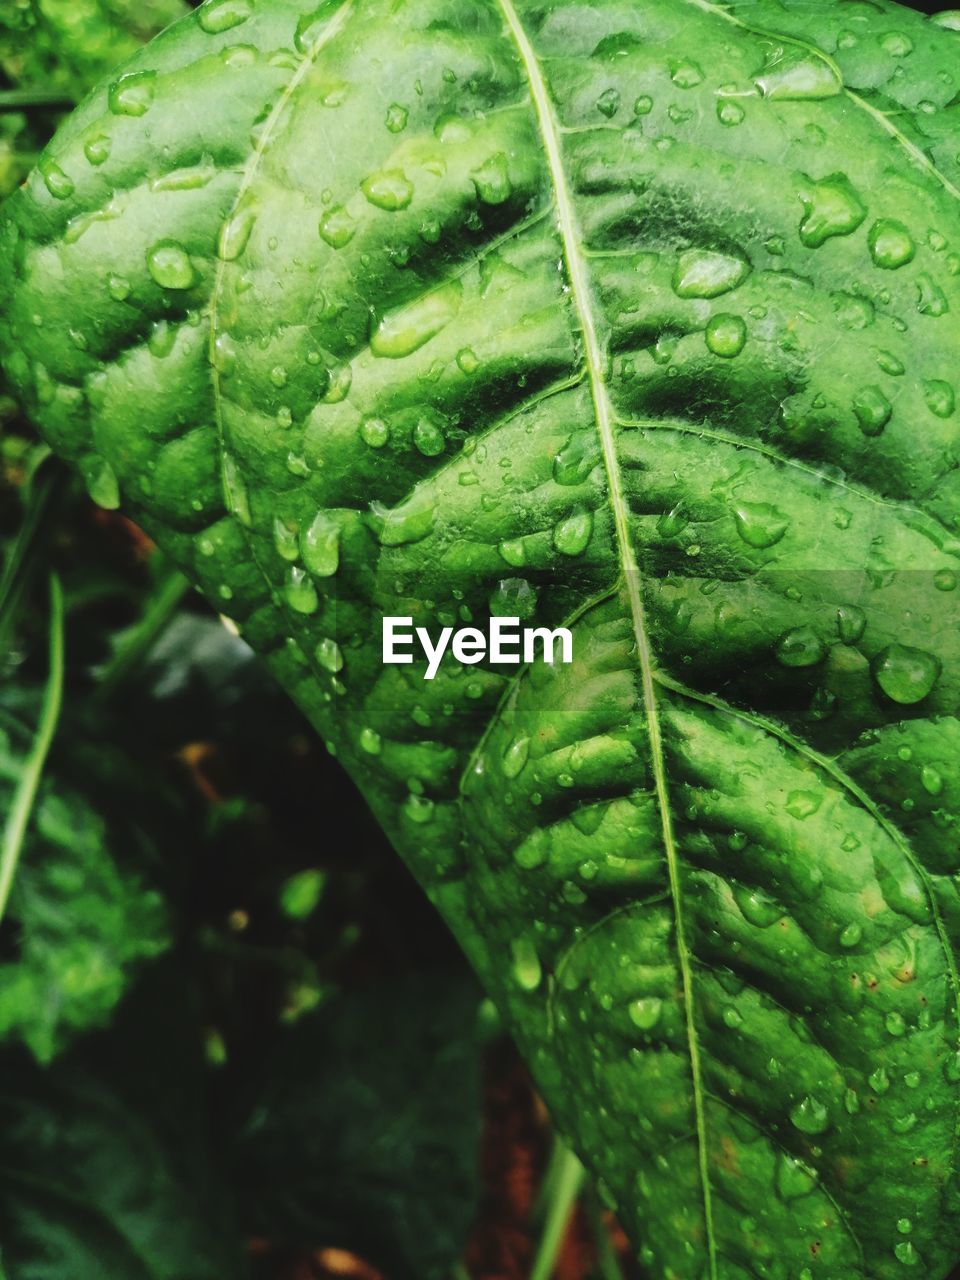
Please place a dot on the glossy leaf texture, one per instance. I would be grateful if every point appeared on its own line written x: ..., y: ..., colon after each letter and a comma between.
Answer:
x: 638, y: 316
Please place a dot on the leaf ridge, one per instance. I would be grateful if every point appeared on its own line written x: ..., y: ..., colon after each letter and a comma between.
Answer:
x: 630, y: 572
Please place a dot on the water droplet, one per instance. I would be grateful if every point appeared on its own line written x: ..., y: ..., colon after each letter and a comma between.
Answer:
x: 408, y: 523
x: 940, y: 397
x: 897, y: 44
x: 513, y: 598
x: 299, y: 592
x: 170, y: 266
x: 235, y: 234
x: 312, y: 26
x: 810, y: 1116
x: 730, y: 113
x: 97, y: 148
x: 396, y: 118
x: 329, y: 656
x: 906, y: 1253
x: 873, y: 410
x: 643, y: 105
x: 56, y: 181
x: 801, y: 647
x: 515, y: 757
x: 320, y: 546
x: 851, y: 1102
x: 370, y: 742
x: 645, y: 1012
x: 757, y: 907
x: 577, y: 459
x: 759, y: 524
x: 889, y: 363
x: 118, y: 288
x: 608, y: 104
x: 338, y: 227
x: 221, y: 15
x: 803, y: 804
x: 830, y: 208
x: 798, y: 78
x: 931, y: 780
x: 891, y: 244
x: 467, y: 361
x: 895, y: 1024
x: 686, y: 74
x: 945, y: 580
x: 949, y: 19
x: 235, y: 491
x: 418, y: 809
x: 702, y: 273
x: 526, y: 964
x: 514, y: 552
x: 850, y: 935
x: 428, y: 438
x: 931, y: 300
x: 101, y: 482
x: 389, y: 189
x: 672, y: 522
x: 285, y: 540
x: 492, y: 179
x: 374, y: 432
x: 572, y: 535
x: 793, y: 1179
x: 851, y: 623
x: 726, y: 335
x: 906, y: 675
x: 132, y: 94
x: 406, y: 330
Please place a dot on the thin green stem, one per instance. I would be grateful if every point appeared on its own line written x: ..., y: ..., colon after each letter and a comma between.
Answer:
x: 24, y: 99
x: 26, y: 791
x: 44, y: 486
x: 141, y: 638
x: 608, y: 1264
x: 565, y: 1190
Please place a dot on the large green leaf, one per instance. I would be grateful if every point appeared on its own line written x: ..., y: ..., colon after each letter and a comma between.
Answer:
x: 639, y: 315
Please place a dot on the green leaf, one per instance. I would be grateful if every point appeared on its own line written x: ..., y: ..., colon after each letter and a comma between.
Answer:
x: 80, y: 922
x: 352, y: 1146
x: 638, y: 317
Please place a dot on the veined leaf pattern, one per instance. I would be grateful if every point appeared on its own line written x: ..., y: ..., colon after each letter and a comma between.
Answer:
x: 639, y: 317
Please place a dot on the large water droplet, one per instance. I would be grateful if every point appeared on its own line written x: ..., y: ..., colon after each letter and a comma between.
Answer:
x: 56, y: 181
x: 793, y: 1179
x: 572, y: 535
x: 645, y: 1012
x: 798, y: 78
x: 686, y: 74
x: 514, y: 551
x: 759, y: 524
x: 404, y: 331
x: 906, y: 1253
x: 374, y: 432
x: 802, y: 805
x: 396, y: 117
x: 235, y: 234
x: 329, y: 656
x: 97, y: 148
x: 389, y: 189
x: 757, y: 907
x: 132, y: 94
x: 810, y: 1115
x: 726, y: 335
x: 873, y: 410
x: 906, y: 675
x: 801, y: 647
x: 299, y: 592
x: 891, y: 244
x: 285, y: 540
x: 313, y: 25
x: 320, y: 546
x: 370, y: 741
x: 526, y: 964
x: 830, y: 208
x: 170, y: 266
x: 576, y: 460
x: 492, y: 179
x: 338, y: 227
x: 410, y: 522
x: 851, y: 623
x: 101, y: 482
x: 515, y: 757
x: 931, y: 300
x: 730, y: 113
x: 608, y: 104
x: 222, y: 15
x: 703, y: 273
x: 940, y: 397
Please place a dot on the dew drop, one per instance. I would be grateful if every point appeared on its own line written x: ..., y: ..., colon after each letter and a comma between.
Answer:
x: 235, y: 490
x: 931, y: 780
x: 810, y: 1116
x: 389, y: 189
x: 118, y: 288
x: 132, y: 94
x: 830, y: 208
x: 730, y: 113
x: 850, y: 935
x: 419, y: 809
x: 686, y: 74
x: 759, y: 524
x: 285, y: 540
x: 851, y: 623
x: 572, y: 535
x: 312, y: 26
x: 428, y: 438
x: 757, y: 907
x: 940, y: 397
x: 370, y: 742
x: 299, y: 592
x: 101, y: 482
x: 793, y: 1179
x: 801, y: 647
x: 222, y: 15
x: 401, y: 332
x: 643, y: 105
x: 467, y: 361
x: 576, y: 460
x: 408, y: 523
x: 337, y: 227
x: 645, y: 1012
x: 396, y: 118
x: 170, y: 266
x: 608, y: 104
x: 526, y: 964
x: 725, y: 335
x: 897, y: 44
x: 374, y: 432
x: 945, y: 580
x: 931, y: 300
x: 803, y: 804
x: 703, y: 273
x: 906, y: 675
x: 514, y: 552
x: 235, y: 234
x: 320, y: 546
x: 329, y: 656
x: 97, y: 148
x: 56, y: 181
x: 873, y: 410
x: 796, y: 79
x: 891, y: 244
x: 906, y: 1253
x: 515, y: 757
x: 492, y: 179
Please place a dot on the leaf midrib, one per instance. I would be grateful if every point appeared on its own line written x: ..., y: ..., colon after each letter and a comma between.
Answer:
x: 581, y: 292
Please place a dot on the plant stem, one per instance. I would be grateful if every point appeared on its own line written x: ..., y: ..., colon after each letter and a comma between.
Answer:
x: 140, y: 639
x: 26, y: 791
x: 608, y: 1264
x: 24, y: 99
x: 45, y: 484
x: 566, y: 1184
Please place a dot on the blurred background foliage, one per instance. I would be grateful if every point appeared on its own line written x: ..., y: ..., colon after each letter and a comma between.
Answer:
x: 235, y: 1040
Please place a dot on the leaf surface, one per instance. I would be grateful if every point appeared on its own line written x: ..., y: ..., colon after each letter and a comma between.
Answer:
x: 637, y: 317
